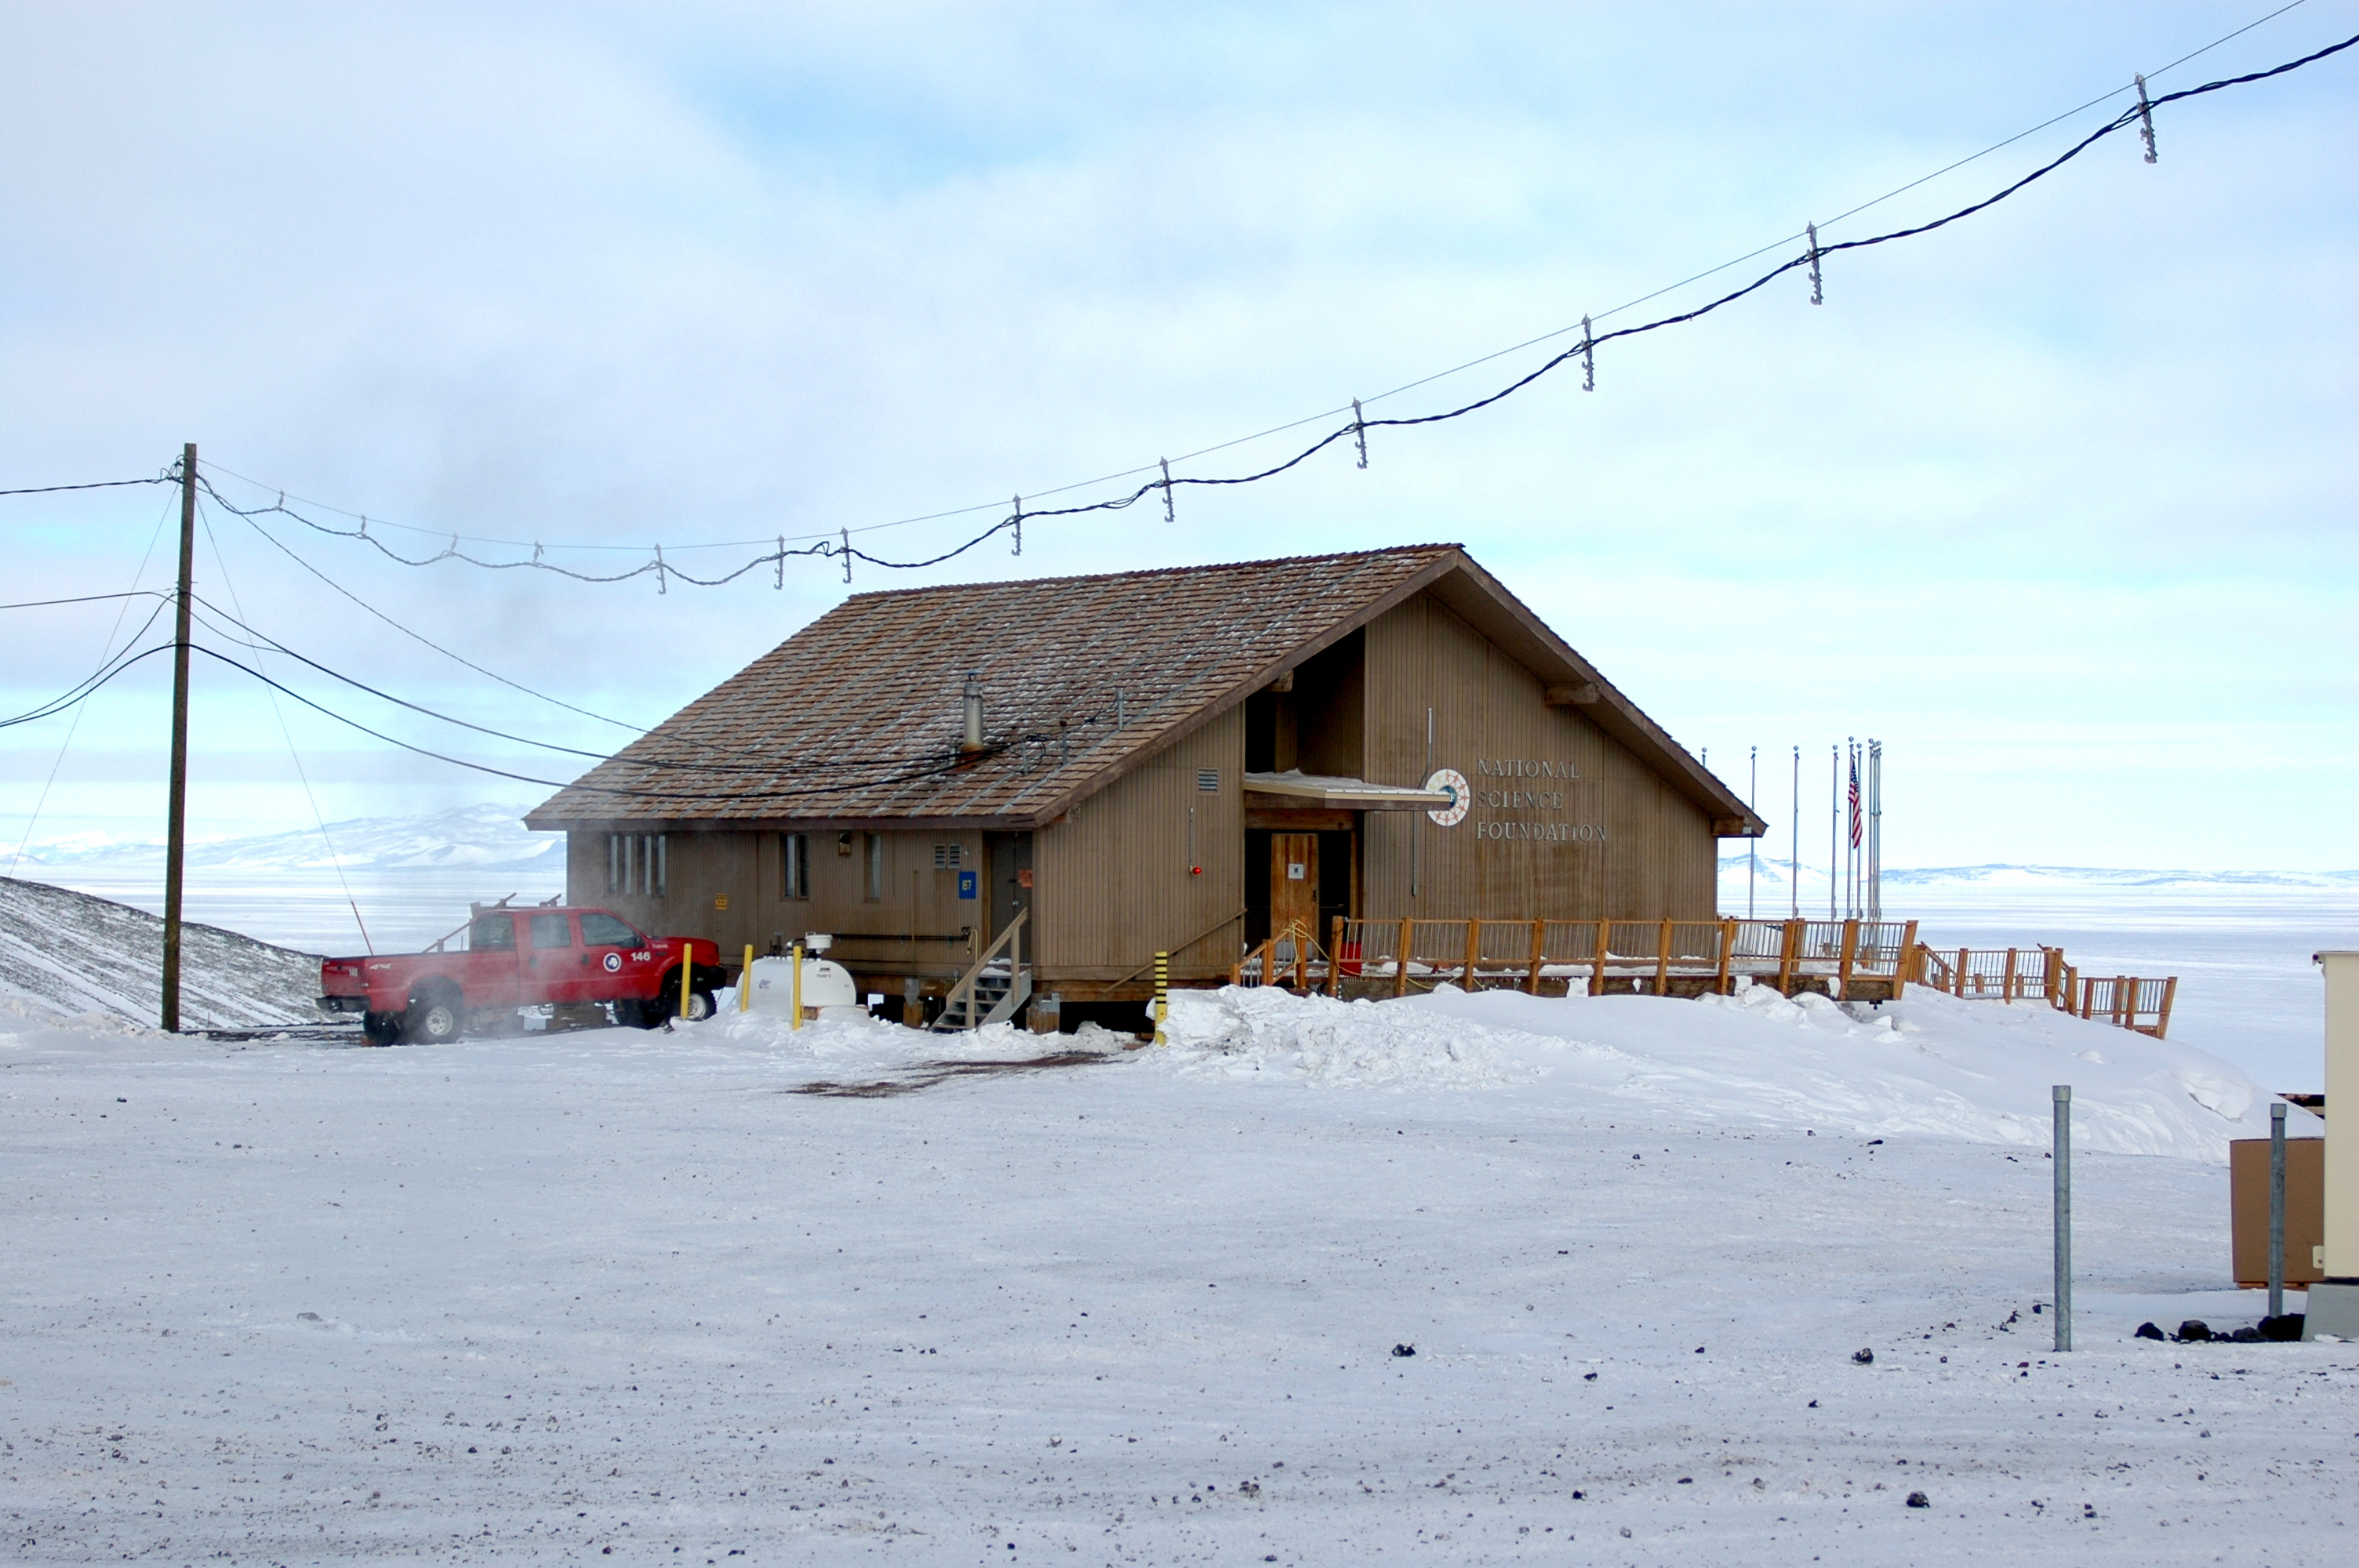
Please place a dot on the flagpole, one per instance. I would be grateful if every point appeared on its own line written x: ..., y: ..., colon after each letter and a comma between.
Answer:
x: 1794, y: 847
x: 1753, y: 845
x: 1834, y: 792
x: 1875, y: 829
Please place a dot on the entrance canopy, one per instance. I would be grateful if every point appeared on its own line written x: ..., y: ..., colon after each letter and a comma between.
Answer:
x: 1347, y: 795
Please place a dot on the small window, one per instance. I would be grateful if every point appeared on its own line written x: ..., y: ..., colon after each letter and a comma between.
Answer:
x: 875, y: 849
x: 494, y: 934
x: 602, y: 930
x: 634, y: 863
x: 552, y: 931
x: 797, y: 864
x: 1209, y: 779
x: 946, y: 858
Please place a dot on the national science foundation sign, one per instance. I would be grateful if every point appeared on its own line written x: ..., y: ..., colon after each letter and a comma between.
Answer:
x: 1519, y: 799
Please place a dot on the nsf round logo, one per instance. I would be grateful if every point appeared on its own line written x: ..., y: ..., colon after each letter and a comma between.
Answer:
x: 1461, y: 798
x: 614, y: 962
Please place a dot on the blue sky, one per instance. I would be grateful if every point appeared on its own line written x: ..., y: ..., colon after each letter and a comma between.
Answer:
x: 2056, y: 503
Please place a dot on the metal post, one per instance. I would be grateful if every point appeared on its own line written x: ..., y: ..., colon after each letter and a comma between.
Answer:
x: 175, y: 810
x: 2063, y: 1155
x: 2276, y: 1208
x: 798, y: 992
x: 1162, y: 995
x: 1794, y: 845
x: 1753, y: 845
x: 686, y: 978
x: 746, y: 982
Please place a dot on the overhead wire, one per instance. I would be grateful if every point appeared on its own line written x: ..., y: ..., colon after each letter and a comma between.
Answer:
x: 107, y: 650
x: 835, y: 543
x: 335, y: 860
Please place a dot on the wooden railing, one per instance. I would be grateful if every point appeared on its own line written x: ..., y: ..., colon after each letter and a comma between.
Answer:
x: 1647, y: 955
x: 2041, y: 973
x: 2126, y: 1002
x: 1290, y: 951
x: 1850, y: 959
x: 960, y: 1003
x: 1993, y: 974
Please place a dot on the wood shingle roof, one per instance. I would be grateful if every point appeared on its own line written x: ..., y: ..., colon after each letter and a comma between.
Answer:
x: 857, y: 718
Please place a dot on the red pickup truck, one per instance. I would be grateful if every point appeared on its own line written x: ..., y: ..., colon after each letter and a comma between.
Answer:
x: 522, y: 957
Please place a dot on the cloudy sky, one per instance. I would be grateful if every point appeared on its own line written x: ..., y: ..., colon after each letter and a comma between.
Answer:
x: 2056, y: 502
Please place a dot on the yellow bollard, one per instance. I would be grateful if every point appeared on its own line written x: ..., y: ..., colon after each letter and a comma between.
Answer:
x: 686, y: 972
x: 799, y: 985
x: 1162, y: 995
x: 746, y: 982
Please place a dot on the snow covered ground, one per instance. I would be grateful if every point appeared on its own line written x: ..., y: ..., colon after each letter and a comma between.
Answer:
x: 855, y: 1293
x: 64, y: 953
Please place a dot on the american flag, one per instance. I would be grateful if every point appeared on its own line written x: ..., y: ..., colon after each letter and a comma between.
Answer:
x: 1854, y: 800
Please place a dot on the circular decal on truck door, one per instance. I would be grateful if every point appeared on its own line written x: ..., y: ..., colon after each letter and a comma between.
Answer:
x: 1461, y: 798
x: 614, y: 962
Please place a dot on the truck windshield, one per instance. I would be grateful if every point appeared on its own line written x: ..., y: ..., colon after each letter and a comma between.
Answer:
x: 494, y: 934
x: 604, y: 931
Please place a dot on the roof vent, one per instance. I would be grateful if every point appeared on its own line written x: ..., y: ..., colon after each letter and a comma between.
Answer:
x: 972, y: 743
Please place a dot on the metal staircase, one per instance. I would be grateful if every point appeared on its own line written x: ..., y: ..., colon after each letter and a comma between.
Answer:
x: 998, y: 984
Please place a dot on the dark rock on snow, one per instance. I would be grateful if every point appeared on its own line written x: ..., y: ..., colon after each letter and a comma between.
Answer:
x: 2148, y: 1331
x: 2282, y: 1330
x: 2195, y: 1331
x: 1864, y: 1357
x: 1918, y: 1500
x: 1404, y: 1350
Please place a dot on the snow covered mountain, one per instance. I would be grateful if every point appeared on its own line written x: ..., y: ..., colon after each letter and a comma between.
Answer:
x: 489, y: 836
x: 1772, y: 874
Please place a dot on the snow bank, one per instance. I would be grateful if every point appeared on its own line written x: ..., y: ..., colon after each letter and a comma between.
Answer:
x: 1931, y: 1064
x: 1250, y: 1031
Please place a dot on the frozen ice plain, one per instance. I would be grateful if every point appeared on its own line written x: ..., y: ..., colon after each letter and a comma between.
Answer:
x: 618, y: 1296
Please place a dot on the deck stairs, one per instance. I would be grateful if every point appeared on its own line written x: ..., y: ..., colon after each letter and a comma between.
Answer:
x: 994, y: 988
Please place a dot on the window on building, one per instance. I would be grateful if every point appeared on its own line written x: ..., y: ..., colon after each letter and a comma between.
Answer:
x: 796, y: 862
x: 874, y: 851
x: 551, y: 931
x: 635, y: 864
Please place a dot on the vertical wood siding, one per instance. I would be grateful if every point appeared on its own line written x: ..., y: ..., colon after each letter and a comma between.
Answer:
x: 1656, y: 856
x: 1110, y: 883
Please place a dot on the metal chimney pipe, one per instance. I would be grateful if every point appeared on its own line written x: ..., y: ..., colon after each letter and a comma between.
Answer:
x: 972, y: 740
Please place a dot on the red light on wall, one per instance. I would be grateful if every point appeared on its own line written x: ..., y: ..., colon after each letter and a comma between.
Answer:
x: 1195, y: 870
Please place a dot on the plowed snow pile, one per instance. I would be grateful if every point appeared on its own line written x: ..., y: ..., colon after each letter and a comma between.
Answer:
x: 1932, y: 1063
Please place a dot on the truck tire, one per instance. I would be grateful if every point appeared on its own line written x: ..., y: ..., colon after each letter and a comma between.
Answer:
x: 381, y: 1028
x: 665, y: 1005
x: 436, y: 1016
x: 632, y: 1013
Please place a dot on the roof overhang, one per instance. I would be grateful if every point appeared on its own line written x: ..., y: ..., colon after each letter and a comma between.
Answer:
x: 1347, y: 794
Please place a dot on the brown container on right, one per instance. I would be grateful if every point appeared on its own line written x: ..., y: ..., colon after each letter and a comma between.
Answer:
x: 2248, y: 1207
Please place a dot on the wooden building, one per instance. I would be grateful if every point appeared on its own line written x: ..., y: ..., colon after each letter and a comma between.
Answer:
x: 1184, y: 759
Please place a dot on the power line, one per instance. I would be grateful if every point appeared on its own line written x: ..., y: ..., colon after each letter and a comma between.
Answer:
x: 95, y: 484
x: 835, y: 543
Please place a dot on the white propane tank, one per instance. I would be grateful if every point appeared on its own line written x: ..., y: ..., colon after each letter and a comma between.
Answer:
x: 828, y: 987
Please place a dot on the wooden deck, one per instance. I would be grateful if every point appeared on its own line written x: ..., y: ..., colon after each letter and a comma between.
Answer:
x: 1850, y: 960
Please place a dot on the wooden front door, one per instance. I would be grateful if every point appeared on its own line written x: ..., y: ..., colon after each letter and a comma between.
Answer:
x: 1294, y: 886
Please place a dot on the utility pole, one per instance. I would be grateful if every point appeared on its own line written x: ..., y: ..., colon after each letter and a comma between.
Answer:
x: 176, y: 829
